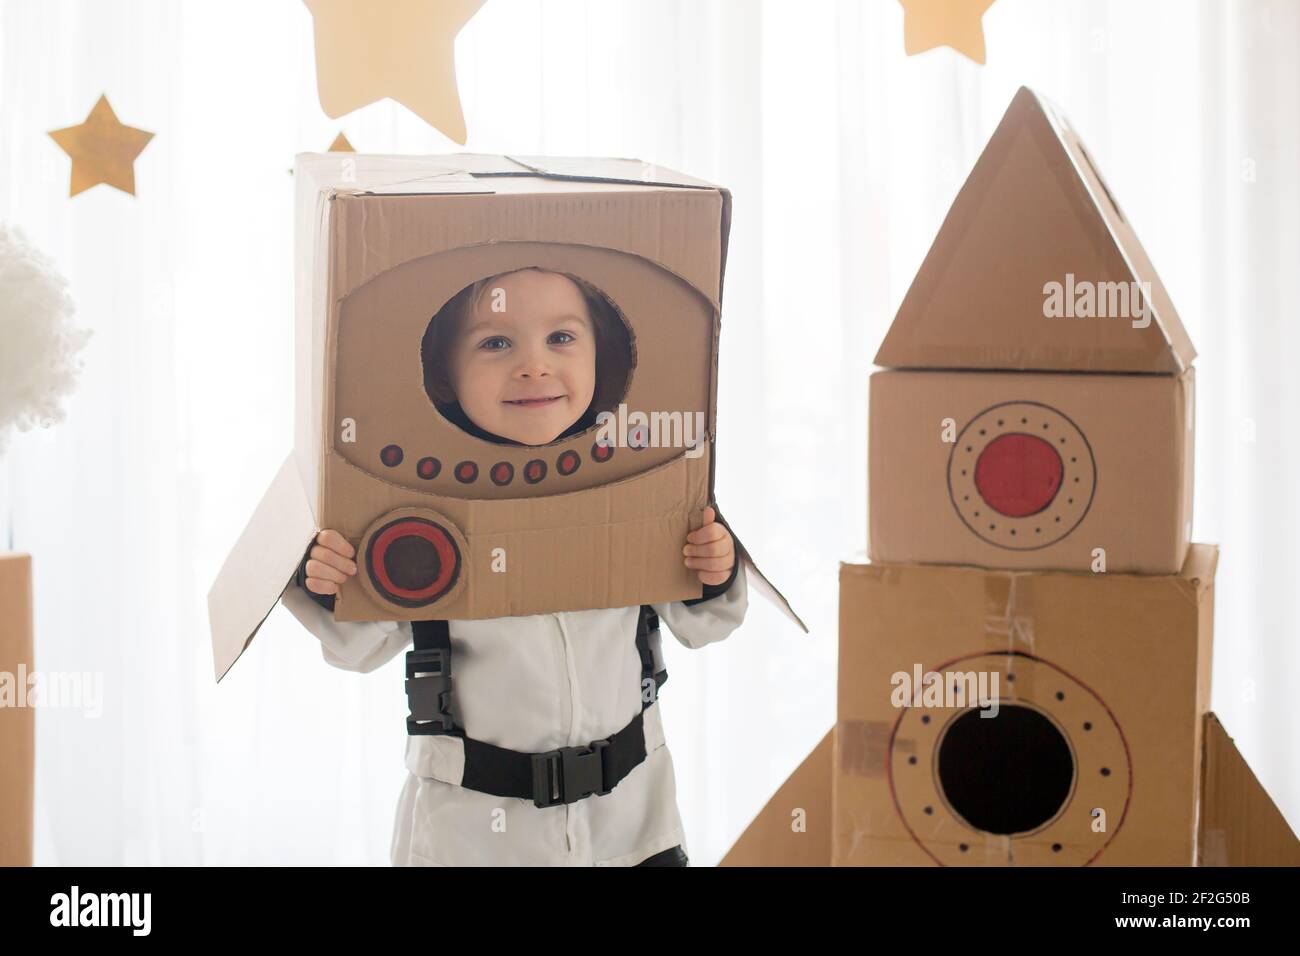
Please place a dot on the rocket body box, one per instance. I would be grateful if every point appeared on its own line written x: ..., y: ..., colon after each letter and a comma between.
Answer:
x: 1102, y: 750
x: 449, y: 525
x: 1093, y: 753
x: 1036, y: 407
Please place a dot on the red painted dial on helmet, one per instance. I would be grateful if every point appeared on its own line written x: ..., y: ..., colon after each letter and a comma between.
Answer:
x: 412, y: 561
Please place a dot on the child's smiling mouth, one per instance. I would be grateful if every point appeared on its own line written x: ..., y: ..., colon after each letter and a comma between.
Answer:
x: 533, y: 402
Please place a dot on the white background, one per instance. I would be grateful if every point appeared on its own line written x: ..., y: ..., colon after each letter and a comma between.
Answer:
x: 843, y: 155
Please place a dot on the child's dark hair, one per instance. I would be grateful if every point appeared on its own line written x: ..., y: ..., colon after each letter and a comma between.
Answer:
x: 614, y: 349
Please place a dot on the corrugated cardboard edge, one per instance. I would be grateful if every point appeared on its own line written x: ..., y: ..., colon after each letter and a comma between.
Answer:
x: 1240, y: 823
x: 771, y: 840
x: 1186, y: 445
x: 17, y: 724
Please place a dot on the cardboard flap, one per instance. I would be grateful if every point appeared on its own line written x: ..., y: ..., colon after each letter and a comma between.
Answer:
x: 587, y: 169
x: 382, y: 174
x: 1240, y: 824
x: 485, y: 164
x: 757, y: 579
x: 1200, y: 566
x: 1035, y: 212
x: 771, y: 839
x: 260, y: 566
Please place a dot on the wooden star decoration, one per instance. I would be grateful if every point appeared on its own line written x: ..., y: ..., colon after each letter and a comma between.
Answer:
x: 102, y: 150
x: 402, y: 49
x: 952, y: 23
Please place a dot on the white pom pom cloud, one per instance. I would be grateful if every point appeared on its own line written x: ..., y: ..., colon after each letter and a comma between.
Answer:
x: 39, y: 345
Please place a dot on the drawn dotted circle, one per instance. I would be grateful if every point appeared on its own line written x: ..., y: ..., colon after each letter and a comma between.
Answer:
x: 391, y: 455
x: 1023, y: 782
x: 502, y: 473
x: 428, y: 468
x: 534, y: 471
x: 466, y: 472
x: 1021, y: 475
x: 601, y: 452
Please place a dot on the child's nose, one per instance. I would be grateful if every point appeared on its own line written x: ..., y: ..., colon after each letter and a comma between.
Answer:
x: 532, y: 364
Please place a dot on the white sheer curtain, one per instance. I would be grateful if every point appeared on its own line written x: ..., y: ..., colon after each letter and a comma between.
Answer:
x: 843, y: 155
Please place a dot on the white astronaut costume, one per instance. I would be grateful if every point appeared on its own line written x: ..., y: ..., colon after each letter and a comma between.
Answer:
x: 533, y: 684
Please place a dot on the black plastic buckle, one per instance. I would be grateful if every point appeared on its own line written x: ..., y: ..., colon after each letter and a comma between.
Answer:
x: 428, y: 692
x: 569, y: 774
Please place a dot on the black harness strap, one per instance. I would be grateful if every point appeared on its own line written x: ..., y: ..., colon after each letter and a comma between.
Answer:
x: 557, y: 776
x: 428, y: 679
x: 653, y: 671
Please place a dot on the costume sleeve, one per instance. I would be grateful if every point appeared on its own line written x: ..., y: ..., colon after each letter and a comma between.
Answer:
x: 708, y: 619
x: 353, y: 646
x: 349, y: 645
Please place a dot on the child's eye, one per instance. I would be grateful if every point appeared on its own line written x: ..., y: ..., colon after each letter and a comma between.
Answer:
x: 494, y: 344
x: 562, y: 338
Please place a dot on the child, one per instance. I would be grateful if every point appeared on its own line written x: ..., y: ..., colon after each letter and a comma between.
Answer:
x: 530, y: 364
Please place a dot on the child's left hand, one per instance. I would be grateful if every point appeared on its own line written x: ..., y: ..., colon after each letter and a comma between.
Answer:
x: 710, y: 550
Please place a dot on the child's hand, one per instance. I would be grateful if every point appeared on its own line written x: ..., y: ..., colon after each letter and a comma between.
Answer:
x: 329, y: 563
x: 710, y: 550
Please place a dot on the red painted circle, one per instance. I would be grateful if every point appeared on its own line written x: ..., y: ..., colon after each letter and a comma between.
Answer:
x: 448, y: 559
x: 502, y: 473
x: 1018, y: 474
x: 568, y: 463
x: 534, y: 471
x: 601, y: 452
x: 466, y: 472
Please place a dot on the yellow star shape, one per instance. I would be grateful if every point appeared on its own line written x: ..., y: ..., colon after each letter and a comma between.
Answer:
x: 952, y: 23
x: 401, y: 49
x: 102, y: 150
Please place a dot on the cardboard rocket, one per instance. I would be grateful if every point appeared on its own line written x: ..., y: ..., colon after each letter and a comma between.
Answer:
x: 1025, y: 660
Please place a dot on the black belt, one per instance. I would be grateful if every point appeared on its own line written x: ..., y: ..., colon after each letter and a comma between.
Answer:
x: 564, y: 775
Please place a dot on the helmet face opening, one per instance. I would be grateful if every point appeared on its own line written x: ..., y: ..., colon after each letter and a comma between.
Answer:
x: 385, y: 421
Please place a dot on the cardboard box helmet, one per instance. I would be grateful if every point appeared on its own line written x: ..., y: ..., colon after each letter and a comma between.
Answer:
x: 449, y: 523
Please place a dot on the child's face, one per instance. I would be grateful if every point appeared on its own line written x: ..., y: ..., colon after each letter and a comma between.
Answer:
x: 527, y: 372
